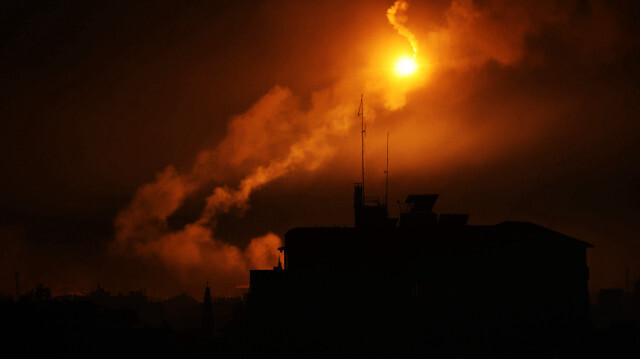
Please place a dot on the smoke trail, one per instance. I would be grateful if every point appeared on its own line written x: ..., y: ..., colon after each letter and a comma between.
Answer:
x: 273, y: 138
x: 397, y: 17
x: 297, y: 140
x: 278, y: 136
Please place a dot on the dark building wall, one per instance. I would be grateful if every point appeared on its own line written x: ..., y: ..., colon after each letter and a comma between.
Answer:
x: 512, y: 276
x: 423, y: 282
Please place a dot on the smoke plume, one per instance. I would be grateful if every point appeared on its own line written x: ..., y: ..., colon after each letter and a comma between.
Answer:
x: 270, y: 140
x: 281, y: 134
x: 397, y: 16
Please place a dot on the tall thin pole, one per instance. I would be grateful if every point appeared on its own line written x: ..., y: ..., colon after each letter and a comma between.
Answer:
x: 17, y: 275
x: 386, y: 193
x: 363, y: 130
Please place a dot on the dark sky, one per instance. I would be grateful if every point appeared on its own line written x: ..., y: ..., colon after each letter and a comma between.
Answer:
x: 120, y: 119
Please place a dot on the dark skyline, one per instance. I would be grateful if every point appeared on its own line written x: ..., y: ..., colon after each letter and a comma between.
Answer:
x: 523, y: 111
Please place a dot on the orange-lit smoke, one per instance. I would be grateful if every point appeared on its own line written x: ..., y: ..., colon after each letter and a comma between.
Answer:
x: 472, y: 33
x: 270, y: 140
x: 397, y: 16
x: 280, y: 135
x: 446, y: 126
x: 275, y: 136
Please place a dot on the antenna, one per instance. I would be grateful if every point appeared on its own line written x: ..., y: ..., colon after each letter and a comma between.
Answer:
x: 386, y: 191
x: 17, y: 276
x: 363, y: 129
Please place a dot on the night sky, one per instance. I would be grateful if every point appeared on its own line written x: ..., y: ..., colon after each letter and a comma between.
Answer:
x: 156, y: 145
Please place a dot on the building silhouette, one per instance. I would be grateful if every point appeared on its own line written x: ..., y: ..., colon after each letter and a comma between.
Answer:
x: 422, y: 283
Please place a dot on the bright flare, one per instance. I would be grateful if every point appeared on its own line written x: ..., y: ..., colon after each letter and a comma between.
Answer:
x: 405, y: 66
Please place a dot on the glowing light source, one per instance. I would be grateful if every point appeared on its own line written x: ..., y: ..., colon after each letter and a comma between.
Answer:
x: 405, y: 66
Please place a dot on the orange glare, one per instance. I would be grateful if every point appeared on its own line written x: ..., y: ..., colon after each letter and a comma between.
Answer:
x: 405, y: 66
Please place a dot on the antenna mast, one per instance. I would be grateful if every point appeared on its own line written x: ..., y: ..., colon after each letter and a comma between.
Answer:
x: 17, y: 275
x: 386, y: 192
x: 363, y: 129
